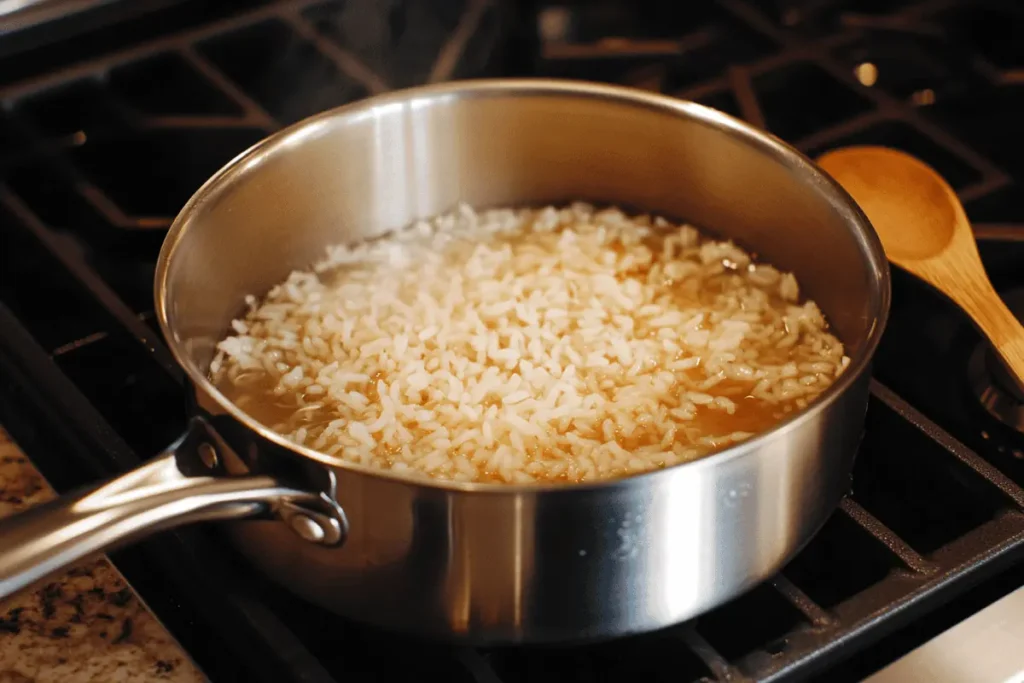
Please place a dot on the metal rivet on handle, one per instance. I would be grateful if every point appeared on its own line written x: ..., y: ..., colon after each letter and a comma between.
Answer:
x: 307, y: 528
x: 315, y: 526
x: 208, y: 455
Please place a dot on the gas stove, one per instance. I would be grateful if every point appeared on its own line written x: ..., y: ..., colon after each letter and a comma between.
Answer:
x: 106, y: 130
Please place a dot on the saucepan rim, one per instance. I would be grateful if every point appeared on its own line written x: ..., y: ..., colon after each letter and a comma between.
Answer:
x: 277, y: 143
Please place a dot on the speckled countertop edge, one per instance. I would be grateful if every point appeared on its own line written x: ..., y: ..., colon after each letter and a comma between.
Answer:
x: 87, y: 625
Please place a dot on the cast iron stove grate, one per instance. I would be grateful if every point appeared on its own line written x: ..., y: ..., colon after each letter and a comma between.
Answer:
x: 104, y: 136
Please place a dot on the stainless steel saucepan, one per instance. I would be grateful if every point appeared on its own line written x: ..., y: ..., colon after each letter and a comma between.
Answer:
x: 489, y: 562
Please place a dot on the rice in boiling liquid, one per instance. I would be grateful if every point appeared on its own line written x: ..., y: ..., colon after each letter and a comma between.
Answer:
x: 523, y: 345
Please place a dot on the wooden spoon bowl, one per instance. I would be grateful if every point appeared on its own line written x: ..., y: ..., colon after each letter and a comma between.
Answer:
x: 925, y: 231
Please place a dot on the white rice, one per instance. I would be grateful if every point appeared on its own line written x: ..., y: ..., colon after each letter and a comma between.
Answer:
x: 519, y: 345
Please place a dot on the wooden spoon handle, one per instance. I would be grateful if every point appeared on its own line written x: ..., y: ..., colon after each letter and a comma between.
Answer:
x: 1002, y: 328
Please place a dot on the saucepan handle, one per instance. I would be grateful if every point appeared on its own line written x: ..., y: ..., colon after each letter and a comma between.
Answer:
x: 153, y: 497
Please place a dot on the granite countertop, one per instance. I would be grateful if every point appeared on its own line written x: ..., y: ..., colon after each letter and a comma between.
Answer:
x: 86, y: 625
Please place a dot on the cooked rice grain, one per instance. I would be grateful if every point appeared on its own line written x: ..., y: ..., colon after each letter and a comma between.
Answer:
x: 520, y: 345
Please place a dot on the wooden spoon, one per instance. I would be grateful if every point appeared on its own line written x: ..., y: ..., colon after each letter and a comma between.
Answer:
x: 924, y: 230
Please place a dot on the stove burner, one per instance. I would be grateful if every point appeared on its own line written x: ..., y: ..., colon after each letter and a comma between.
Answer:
x: 991, y: 382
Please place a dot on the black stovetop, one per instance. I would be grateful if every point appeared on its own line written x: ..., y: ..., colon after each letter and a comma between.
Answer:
x: 104, y: 135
